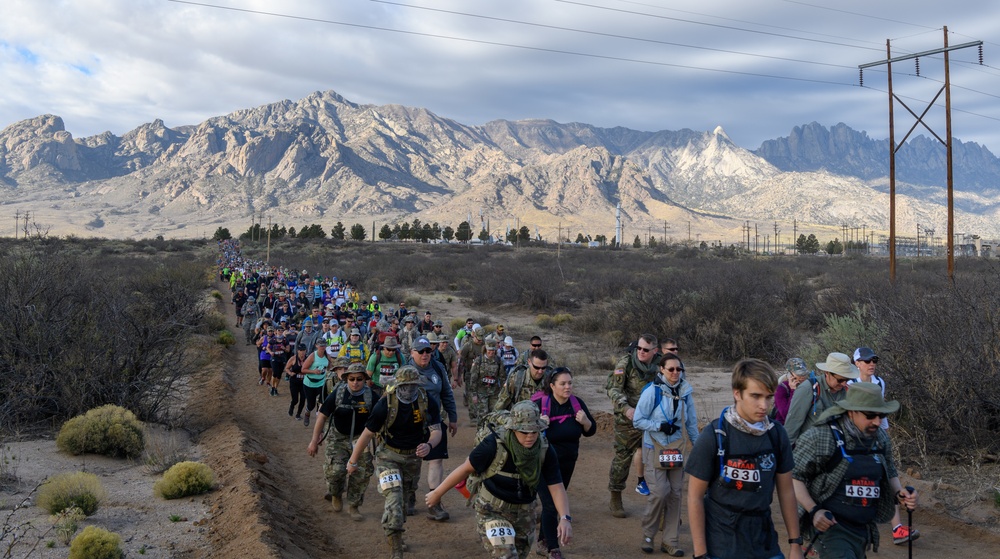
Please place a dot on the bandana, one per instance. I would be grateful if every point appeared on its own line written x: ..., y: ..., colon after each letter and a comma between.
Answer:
x: 741, y: 424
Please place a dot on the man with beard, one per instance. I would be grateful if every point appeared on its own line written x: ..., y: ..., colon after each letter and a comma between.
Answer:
x: 845, y: 475
x: 409, y: 424
x: 813, y: 397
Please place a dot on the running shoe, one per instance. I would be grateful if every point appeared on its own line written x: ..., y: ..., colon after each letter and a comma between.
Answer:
x: 298, y: 418
x: 306, y: 420
x: 902, y: 534
x: 642, y: 488
x: 555, y: 554
x: 260, y: 382
x: 647, y: 545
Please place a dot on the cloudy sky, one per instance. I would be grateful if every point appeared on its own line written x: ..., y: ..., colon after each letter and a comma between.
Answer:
x: 757, y: 68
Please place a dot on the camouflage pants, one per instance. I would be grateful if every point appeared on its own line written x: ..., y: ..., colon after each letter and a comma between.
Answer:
x: 484, y: 406
x: 338, y: 452
x: 627, y: 440
x: 494, y: 519
x: 248, y: 323
x: 397, y: 476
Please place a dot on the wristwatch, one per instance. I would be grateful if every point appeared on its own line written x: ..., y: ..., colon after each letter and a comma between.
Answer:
x: 797, y: 540
x: 567, y: 518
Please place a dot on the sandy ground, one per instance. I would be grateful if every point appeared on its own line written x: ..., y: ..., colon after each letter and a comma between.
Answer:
x: 269, y: 501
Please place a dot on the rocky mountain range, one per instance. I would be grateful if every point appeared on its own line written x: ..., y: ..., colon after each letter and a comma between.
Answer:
x: 324, y: 159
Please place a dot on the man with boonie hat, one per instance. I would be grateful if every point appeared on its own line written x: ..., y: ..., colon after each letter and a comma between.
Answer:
x: 811, y: 398
x: 382, y: 364
x: 486, y: 379
x: 350, y: 406
x: 354, y: 349
x: 504, y: 502
x: 795, y: 372
x: 408, y: 334
x: 845, y: 476
x: 472, y: 348
x: 408, y: 421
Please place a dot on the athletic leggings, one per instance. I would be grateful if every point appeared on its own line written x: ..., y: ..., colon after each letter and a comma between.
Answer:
x: 549, y: 518
x: 295, y: 388
x: 311, y: 394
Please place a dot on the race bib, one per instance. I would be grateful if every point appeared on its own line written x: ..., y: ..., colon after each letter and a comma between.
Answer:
x: 390, y: 479
x: 490, y: 381
x: 743, y: 475
x: 499, y: 533
x: 386, y: 370
x: 671, y: 458
x: 862, y: 492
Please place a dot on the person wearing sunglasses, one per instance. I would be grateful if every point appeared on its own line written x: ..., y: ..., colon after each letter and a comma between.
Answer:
x: 438, y: 386
x: 845, y: 476
x: 813, y: 397
x: 524, y: 382
x: 632, y: 372
x: 665, y: 413
x: 865, y: 359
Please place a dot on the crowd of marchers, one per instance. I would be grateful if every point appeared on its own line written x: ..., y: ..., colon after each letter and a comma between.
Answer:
x: 379, y: 388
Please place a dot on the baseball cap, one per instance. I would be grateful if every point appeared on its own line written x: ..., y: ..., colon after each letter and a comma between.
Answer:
x: 864, y: 354
x: 421, y: 343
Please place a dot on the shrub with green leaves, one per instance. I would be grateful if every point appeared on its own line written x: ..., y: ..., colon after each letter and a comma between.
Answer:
x: 77, y: 489
x: 226, y: 338
x: 96, y: 543
x: 184, y: 479
x: 108, y: 430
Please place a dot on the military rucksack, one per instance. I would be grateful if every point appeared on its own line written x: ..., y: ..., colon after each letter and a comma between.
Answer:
x: 494, y: 423
x: 392, y: 401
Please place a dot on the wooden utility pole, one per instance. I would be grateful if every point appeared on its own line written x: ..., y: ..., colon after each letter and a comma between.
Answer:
x: 268, y: 259
x: 17, y: 222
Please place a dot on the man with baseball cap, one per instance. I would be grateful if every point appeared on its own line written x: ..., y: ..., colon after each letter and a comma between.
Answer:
x: 845, y: 475
x: 811, y: 398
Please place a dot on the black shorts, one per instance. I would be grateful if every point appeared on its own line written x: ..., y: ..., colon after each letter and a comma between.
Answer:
x: 265, y: 363
x: 441, y: 450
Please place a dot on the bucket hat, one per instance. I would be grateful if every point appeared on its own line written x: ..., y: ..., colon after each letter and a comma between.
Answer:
x: 390, y: 343
x: 839, y: 364
x: 524, y: 416
x: 408, y: 374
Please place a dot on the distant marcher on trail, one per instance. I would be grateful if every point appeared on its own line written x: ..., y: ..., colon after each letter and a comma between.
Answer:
x: 409, y: 424
x: 568, y: 419
x: 293, y: 369
x: 250, y: 318
x: 811, y: 398
x: 349, y: 406
x: 314, y: 368
x: 486, y: 379
x: 513, y: 463
x: 524, y: 382
x: 624, y: 386
x: 730, y: 493
x: 665, y: 413
x: 845, y: 475
x: 795, y: 372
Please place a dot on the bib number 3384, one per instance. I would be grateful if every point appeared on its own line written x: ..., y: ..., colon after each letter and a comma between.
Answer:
x: 390, y: 479
x: 499, y: 533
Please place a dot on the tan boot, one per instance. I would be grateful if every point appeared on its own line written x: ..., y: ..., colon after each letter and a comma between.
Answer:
x: 617, y: 509
x: 338, y: 505
x: 396, y: 546
x: 355, y: 513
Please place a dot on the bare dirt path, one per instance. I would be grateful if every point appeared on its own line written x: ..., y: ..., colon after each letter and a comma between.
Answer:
x: 272, y: 467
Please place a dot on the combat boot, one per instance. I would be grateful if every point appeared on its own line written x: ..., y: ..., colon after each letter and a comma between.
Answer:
x: 411, y: 505
x: 395, y: 546
x: 338, y: 505
x: 355, y: 513
x: 617, y: 509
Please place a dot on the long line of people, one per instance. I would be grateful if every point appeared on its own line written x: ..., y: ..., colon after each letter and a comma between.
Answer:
x: 383, y: 386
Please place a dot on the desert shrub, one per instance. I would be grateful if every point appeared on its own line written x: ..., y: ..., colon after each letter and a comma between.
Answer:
x: 215, y: 321
x: 216, y: 294
x: 96, y: 543
x: 844, y: 333
x: 66, y: 523
x: 225, y: 338
x: 456, y: 324
x: 108, y: 430
x: 547, y: 321
x: 162, y: 451
x: 184, y: 479
x: 77, y: 489
x: 412, y: 302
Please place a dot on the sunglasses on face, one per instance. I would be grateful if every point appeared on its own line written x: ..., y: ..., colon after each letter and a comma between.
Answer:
x: 536, y: 345
x: 869, y: 361
x: 839, y: 380
x: 644, y: 349
x: 671, y: 349
x: 423, y: 351
x: 673, y: 369
x: 539, y: 368
x: 872, y: 415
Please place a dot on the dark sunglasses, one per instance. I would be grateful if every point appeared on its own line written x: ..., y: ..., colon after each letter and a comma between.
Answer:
x: 536, y: 345
x: 872, y: 360
x: 872, y: 415
x: 542, y: 368
x: 671, y: 349
x: 673, y: 369
x: 839, y: 380
x: 644, y: 349
x: 423, y: 351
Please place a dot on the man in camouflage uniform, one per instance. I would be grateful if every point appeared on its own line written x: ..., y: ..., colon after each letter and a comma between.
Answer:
x: 447, y: 356
x: 350, y: 405
x: 408, y: 334
x: 408, y: 421
x: 472, y: 348
x: 486, y: 379
x: 524, y: 381
x: 631, y: 374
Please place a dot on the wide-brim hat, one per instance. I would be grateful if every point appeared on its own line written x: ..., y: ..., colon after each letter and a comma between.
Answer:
x: 839, y: 364
x: 524, y: 416
x: 355, y: 332
x: 432, y: 337
x: 861, y: 396
x: 355, y: 368
x: 408, y: 374
x: 390, y: 343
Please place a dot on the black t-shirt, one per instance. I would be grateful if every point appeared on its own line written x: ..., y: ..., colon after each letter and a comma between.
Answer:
x: 564, y: 432
x: 408, y: 430
x: 508, y: 489
x: 343, y: 406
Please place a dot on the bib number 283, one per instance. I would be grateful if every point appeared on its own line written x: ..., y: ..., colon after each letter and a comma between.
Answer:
x: 499, y: 533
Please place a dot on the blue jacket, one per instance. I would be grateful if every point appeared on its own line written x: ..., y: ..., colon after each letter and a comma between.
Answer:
x: 649, y: 417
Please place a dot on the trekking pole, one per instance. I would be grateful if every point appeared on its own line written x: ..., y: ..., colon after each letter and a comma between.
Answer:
x: 812, y: 542
x: 909, y: 525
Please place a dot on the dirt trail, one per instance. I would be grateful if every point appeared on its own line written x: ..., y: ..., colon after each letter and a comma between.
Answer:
x: 261, y: 454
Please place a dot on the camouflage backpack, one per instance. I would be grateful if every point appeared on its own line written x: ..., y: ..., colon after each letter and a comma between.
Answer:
x: 495, y: 423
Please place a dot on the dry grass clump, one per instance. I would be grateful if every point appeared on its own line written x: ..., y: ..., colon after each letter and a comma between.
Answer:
x: 66, y: 523
x: 552, y: 321
x: 108, y: 430
x: 225, y: 338
x: 96, y: 543
x: 77, y: 489
x: 184, y: 479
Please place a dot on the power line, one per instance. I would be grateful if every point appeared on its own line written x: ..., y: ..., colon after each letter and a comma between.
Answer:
x: 818, y: 7
x: 610, y: 35
x: 511, y: 45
